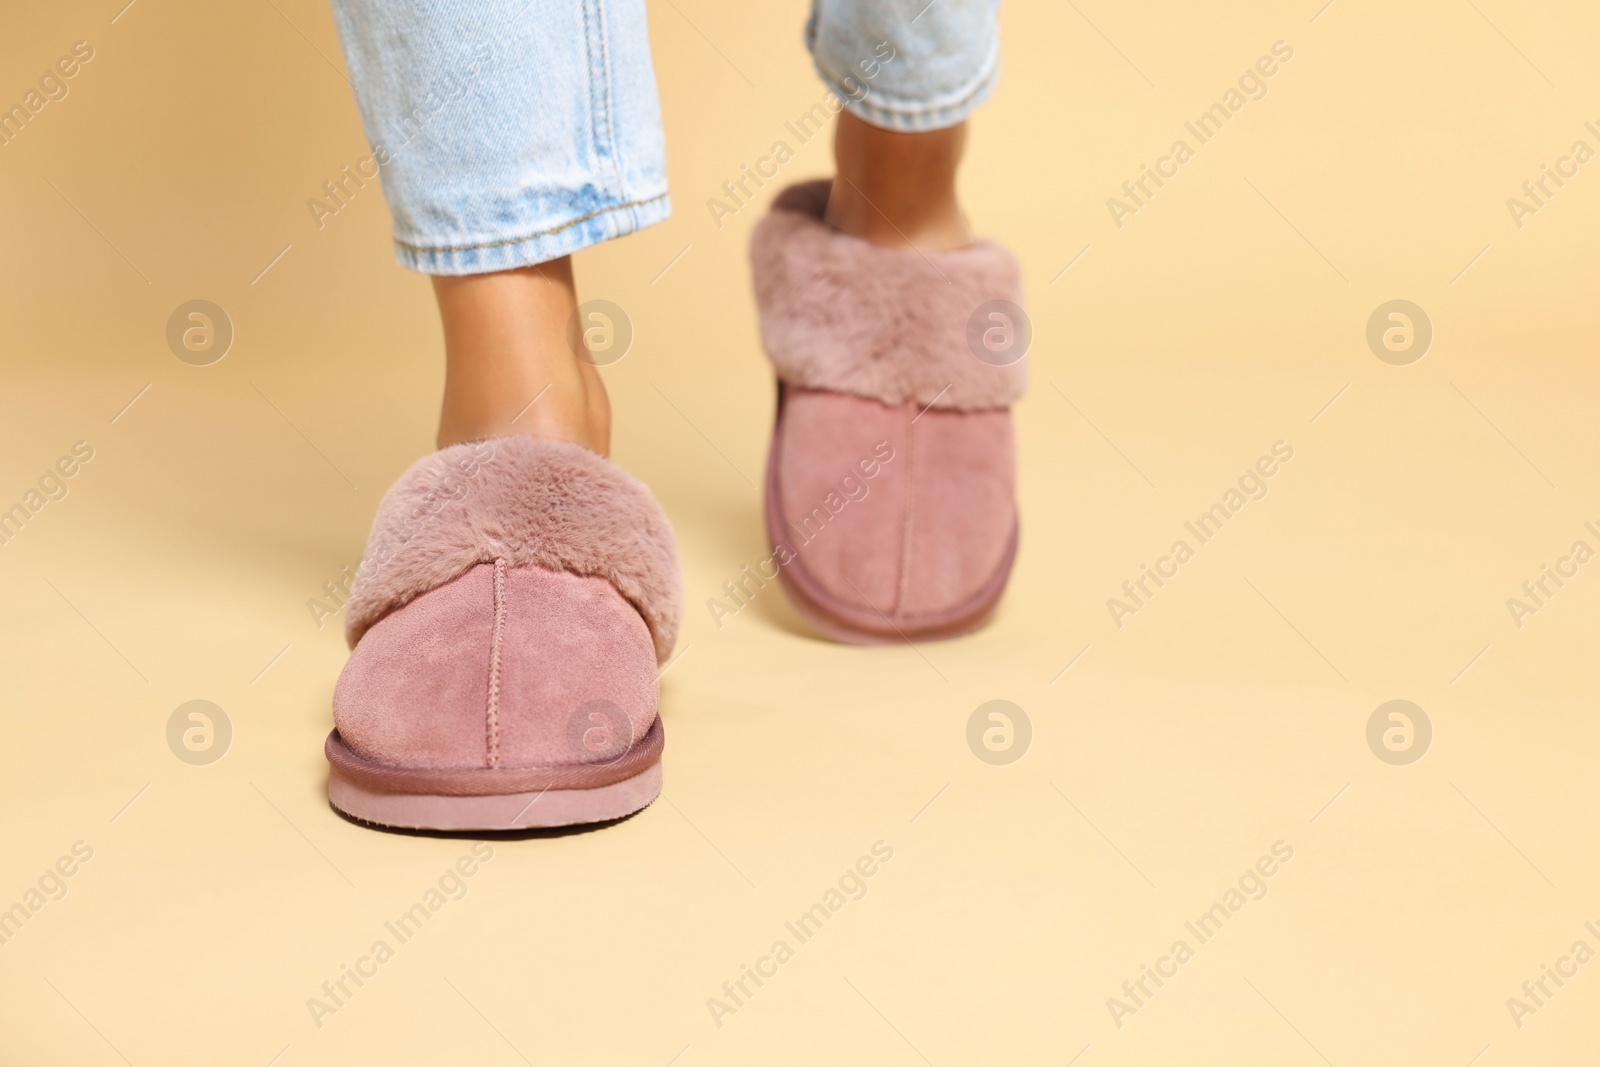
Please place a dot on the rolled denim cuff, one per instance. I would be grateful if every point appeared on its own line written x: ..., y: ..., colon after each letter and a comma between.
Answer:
x: 561, y: 239
x: 906, y: 65
x: 909, y: 116
x: 506, y: 133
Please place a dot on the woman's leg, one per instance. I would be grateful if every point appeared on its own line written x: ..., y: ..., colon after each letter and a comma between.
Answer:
x: 509, y: 363
x: 908, y: 377
x: 909, y: 73
x: 897, y: 189
x: 519, y: 592
x: 509, y: 135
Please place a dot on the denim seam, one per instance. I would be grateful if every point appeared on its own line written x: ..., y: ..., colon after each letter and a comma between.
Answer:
x: 588, y: 60
x: 602, y: 145
x: 529, y: 237
x: 608, y: 110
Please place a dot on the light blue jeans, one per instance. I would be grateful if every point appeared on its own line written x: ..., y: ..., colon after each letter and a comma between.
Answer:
x: 512, y: 132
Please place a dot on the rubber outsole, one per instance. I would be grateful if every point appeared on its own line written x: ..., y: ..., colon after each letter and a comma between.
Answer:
x: 494, y: 798
x: 503, y: 811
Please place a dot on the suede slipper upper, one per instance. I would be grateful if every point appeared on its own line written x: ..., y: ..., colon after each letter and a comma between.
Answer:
x: 507, y: 623
x: 890, y: 481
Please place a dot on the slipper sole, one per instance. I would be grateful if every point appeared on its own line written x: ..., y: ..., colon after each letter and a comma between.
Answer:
x: 494, y: 798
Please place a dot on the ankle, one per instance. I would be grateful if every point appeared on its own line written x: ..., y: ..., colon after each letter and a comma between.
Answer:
x: 897, y: 189
x: 930, y: 223
x: 511, y: 366
x: 562, y: 408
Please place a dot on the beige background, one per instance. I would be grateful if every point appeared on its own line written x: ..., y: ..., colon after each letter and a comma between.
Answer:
x: 1228, y: 714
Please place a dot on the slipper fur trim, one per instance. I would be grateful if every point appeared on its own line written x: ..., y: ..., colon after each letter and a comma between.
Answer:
x: 528, y: 501
x: 842, y: 314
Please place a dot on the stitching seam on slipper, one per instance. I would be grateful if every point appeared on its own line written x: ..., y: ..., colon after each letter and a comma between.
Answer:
x: 496, y: 642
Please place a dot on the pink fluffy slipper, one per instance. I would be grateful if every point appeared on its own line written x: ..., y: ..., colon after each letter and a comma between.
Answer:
x: 506, y: 625
x: 890, y: 482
